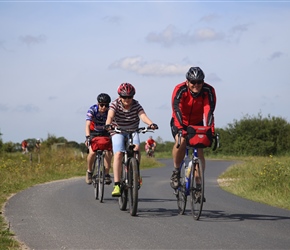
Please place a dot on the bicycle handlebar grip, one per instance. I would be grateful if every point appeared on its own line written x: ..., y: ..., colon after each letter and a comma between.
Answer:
x: 216, y: 142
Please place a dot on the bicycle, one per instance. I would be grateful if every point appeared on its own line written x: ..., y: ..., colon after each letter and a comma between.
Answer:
x: 150, y: 152
x: 131, y: 180
x: 98, y: 168
x: 98, y: 177
x: 192, y: 180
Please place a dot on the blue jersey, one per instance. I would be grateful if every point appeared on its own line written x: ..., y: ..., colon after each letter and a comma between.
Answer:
x: 96, y: 118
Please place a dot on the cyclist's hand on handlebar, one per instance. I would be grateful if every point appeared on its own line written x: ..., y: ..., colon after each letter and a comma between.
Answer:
x: 109, y: 127
x: 153, y: 126
x: 182, y: 132
x: 88, y: 141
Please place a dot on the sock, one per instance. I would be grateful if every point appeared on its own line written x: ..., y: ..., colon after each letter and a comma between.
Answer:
x: 117, y: 183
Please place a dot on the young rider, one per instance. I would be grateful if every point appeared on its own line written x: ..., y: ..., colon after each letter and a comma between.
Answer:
x: 96, y: 118
x: 125, y: 112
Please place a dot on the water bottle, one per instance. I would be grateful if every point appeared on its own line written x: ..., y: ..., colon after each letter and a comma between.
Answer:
x: 188, y: 169
x: 186, y: 162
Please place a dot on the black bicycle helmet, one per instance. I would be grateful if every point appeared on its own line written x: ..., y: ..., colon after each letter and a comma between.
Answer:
x: 103, y: 98
x: 126, y: 89
x: 195, y: 74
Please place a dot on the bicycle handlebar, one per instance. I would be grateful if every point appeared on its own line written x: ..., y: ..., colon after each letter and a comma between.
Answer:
x: 142, y: 130
x: 216, y: 138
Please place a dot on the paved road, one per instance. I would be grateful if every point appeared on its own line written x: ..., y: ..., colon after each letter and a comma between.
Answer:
x: 65, y: 215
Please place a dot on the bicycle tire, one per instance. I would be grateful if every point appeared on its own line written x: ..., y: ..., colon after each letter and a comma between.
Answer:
x: 122, y: 200
x: 197, y: 195
x: 95, y: 179
x: 133, y: 179
x: 181, y: 193
x: 101, y: 175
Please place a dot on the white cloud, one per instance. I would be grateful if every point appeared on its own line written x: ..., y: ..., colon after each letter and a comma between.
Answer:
x: 27, y: 108
x: 139, y: 66
x: 30, y: 40
x: 276, y: 55
x: 170, y: 36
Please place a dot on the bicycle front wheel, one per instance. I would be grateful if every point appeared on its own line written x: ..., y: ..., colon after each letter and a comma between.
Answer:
x: 101, y: 174
x: 197, y: 190
x: 181, y: 193
x: 133, y: 179
x: 124, y: 191
x: 95, y: 179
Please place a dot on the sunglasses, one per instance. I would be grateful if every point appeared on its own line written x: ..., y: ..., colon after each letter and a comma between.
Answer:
x: 196, y: 82
x: 126, y: 97
x: 104, y: 104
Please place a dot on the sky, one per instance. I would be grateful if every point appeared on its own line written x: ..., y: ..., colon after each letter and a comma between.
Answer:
x: 57, y: 56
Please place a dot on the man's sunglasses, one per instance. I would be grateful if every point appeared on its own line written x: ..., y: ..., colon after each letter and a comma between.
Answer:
x: 196, y: 82
x: 126, y: 97
x: 104, y: 104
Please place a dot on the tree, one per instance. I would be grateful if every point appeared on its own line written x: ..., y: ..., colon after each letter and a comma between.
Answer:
x: 256, y: 135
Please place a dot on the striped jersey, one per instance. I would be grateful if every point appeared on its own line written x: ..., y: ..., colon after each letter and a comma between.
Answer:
x: 126, y: 119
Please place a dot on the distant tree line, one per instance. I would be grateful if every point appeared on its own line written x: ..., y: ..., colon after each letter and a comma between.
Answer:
x: 250, y: 136
x: 256, y: 136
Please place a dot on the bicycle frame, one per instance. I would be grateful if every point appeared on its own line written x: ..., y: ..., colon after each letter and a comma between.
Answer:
x: 128, y: 154
x: 194, y: 160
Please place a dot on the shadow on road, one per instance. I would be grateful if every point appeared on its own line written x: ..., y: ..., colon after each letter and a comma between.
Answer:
x: 216, y: 215
x: 157, y: 212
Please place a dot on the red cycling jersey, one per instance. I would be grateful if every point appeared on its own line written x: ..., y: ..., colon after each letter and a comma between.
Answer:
x: 190, y: 110
x: 150, y: 142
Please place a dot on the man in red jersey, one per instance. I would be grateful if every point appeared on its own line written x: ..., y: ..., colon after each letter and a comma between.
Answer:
x: 193, y: 103
x: 150, y: 144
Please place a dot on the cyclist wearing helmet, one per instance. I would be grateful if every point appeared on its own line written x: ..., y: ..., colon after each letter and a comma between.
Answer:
x: 193, y: 103
x: 96, y: 118
x: 37, y: 145
x: 150, y: 145
x: 24, y: 146
x: 125, y: 112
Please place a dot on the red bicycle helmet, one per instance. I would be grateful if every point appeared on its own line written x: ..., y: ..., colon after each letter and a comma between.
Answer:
x: 126, y: 89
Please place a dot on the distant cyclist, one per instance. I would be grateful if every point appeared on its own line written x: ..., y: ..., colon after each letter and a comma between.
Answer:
x: 150, y: 146
x: 37, y: 146
x: 24, y: 146
x: 125, y: 112
x: 96, y: 117
x: 193, y: 103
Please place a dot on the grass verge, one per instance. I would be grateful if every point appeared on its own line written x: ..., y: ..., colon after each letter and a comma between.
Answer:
x: 261, y: 179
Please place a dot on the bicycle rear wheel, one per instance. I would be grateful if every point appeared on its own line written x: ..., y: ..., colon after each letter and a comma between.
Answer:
x: 101, y: 175
x: 95, y: 178
x: 197, y: 190
x: 181, y: 193
x: 124, y: 191
x: 133, y: 186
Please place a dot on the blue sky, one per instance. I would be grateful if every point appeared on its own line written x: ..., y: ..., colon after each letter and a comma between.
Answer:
x: 57, y: 56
